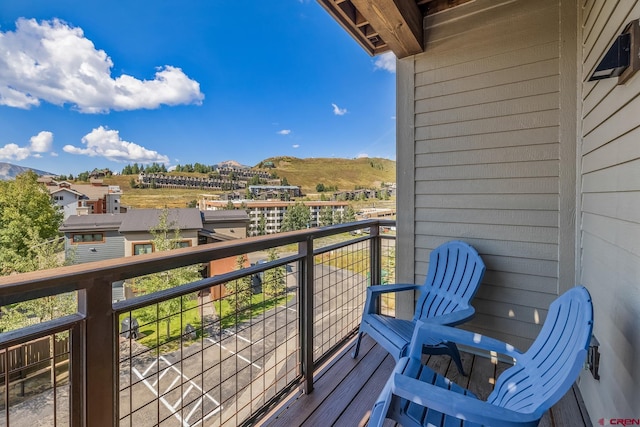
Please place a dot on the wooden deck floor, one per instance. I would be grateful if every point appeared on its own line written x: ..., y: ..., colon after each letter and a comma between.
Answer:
x: 345, y: 390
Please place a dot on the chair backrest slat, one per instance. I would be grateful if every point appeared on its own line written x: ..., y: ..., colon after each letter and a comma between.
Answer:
x: 547, y: 369
x: 455, y: 271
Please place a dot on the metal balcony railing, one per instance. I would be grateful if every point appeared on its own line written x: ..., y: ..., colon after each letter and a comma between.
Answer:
x: 217, y: 351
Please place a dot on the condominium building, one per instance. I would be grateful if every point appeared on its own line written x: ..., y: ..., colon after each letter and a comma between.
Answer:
x: 272, y: 211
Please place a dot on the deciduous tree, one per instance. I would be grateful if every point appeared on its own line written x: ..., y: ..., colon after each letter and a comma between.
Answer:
x: 27, y: 217
x: 166, y: 236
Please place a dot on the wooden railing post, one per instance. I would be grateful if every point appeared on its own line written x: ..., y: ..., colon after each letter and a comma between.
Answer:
x: 375, y: 260
x: 77, y: 369
x: 305, y: 279
x: 100, y: 347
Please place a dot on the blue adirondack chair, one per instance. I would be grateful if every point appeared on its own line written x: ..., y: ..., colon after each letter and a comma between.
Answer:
x: 455, y: 271
x: 416, y: 396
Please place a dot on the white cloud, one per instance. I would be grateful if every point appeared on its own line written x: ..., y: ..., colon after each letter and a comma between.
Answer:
x: 362, y: 156
x: 52, y: 61
x: 296, y: 145
x: 14, y: 152
x: 339, y: 111
x: 40, y: 143
x: 107, y: 143
x: 386, y: 61
x: 284, y: 132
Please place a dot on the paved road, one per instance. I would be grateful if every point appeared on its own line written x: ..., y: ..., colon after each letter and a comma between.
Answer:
x: 226, y: 373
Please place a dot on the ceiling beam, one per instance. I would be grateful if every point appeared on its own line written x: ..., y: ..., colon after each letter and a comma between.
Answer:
x: 398, y: 22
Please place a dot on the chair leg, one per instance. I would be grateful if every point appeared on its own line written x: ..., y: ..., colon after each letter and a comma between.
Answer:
x: 455, y: 355
x: 356, y: 350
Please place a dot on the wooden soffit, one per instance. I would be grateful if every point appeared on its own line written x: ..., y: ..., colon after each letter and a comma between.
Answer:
x: 386, y: 25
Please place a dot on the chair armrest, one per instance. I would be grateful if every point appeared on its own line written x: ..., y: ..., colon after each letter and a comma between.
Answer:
x: 458, y: 405
x: 426, y: 331
x: 396, y: 287
x: 376, y: 290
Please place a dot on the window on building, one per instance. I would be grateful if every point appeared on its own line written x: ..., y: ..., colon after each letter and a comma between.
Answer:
x: 88, y: 238
x: 142, y: 248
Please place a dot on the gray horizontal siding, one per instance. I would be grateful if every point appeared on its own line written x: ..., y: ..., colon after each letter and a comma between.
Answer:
x: 113, y: 247
x: 609, y: 159
x: 487, y: 155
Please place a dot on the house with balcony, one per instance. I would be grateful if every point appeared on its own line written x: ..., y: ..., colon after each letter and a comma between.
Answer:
x: 512, y: 135
x: 84, y: 199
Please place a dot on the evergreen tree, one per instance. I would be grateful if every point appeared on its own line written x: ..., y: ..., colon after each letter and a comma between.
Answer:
x: 262, y: 225
x: 255, y: 180
x: 297, y: 217
x: 349, y: 214
x: 274, y: 278
x: 239, y: 291
x: 326, y: 215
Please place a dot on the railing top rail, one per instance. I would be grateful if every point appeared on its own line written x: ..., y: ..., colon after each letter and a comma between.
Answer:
x: 64, y: 279
x: 28, y: 333
x: 178, y: 291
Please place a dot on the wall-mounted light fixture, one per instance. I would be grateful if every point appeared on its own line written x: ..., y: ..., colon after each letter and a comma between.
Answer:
x: 593, y: 358
x: 622, y: 60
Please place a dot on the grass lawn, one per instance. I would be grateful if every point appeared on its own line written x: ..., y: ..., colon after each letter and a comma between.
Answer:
x: 154, y: 333
x: 229, y: 317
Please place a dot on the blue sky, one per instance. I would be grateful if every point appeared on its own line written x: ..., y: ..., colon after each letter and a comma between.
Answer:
x: 104, y: 84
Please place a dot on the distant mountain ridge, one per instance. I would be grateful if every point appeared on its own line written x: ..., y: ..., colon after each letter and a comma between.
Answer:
x: 10, y: 171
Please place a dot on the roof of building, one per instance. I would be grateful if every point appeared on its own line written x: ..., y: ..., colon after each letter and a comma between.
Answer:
x: 92, y: 192
x: 92, y: 222
x: 383, y: 25
x: 145, y: 219
x: 225, y: 215
x: 215, y: 235
x: 68, y: 190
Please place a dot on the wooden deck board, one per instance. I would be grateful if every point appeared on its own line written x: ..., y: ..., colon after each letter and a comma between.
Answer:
x: 345, y: 390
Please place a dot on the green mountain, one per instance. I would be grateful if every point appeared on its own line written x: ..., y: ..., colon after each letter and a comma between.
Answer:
x: 345, y: 174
